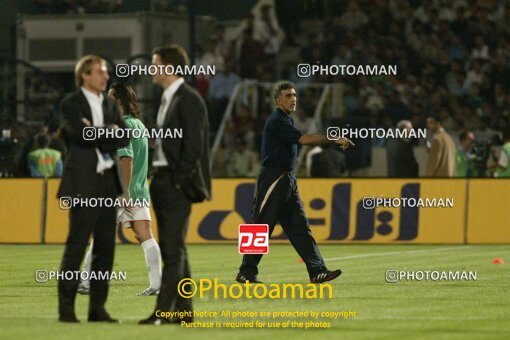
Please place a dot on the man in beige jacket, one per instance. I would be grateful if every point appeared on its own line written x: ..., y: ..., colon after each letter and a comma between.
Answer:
x: 441, y: 162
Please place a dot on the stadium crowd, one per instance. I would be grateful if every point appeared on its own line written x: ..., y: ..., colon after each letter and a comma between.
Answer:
x: 453, y: 60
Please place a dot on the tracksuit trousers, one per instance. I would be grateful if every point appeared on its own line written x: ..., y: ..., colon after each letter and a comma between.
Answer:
x: 277, y: 200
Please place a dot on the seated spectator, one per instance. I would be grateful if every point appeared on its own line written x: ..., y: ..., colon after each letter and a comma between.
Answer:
x: 220, y: 90
x: 302, y: 122
x: 474, y: 76
x: 354, y: 18
x: 212, y: 56
x: 342, y: 56
x: 375, y: 100
x: 449, y: 123
x: 241, y: 124
x: 242, y: 162
x: 43, y: 161
x: 480, y: 51
x: 350, y: 99
x: 456, y: 51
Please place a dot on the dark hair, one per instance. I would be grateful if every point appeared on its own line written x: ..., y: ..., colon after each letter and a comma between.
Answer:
x: 437, y: 118
x: 126, y: 97
x: 463, y: 135
x: 42, y: 140
x: 174, y: 55
x: 281, y: 86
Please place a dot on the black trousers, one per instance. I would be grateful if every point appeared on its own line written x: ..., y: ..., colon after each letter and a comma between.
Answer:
x: 172, y: 210
x: 277, y: 200
x: 84, y: 221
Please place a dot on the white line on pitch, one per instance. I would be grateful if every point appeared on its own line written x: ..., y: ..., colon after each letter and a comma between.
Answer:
x: 397, y: 253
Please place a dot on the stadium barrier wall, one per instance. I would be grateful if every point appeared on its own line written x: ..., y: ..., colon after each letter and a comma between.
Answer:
x: 334, y: 207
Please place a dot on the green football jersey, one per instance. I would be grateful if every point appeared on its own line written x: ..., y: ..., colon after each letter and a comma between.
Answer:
x: 138, y: 149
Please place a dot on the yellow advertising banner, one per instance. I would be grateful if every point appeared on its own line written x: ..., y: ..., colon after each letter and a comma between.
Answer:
x: 338, y: 210
x: 488, y: 213
x: 21, y: 202
x: 57, y: 219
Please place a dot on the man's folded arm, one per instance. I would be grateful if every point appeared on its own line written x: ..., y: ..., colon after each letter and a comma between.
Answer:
x: 73, y: 125
x: 108, y: 142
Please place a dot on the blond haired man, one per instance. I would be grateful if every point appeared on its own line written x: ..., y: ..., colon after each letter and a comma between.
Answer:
x: 89, y: 172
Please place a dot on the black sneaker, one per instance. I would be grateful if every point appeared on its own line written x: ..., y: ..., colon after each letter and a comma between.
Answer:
x: 325, y: 275
x: 243, y: 278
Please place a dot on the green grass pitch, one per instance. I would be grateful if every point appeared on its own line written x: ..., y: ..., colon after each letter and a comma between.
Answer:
x: 417, y: 309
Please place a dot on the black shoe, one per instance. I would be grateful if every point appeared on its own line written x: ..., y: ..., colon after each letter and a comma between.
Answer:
x: 102, y: 317
x: 244, y: 278
x: 68, y: 318
x: 154, y: 320
x: 325, y: 275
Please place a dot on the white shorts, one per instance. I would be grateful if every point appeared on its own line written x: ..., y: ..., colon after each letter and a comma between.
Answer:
x: 136, y: 214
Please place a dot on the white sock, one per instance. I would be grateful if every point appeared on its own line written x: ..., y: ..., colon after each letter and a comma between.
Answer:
x: 87, y: 265
x: 153, y: 261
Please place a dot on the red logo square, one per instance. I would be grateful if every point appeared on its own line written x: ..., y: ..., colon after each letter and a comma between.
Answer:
x: 253, y: 239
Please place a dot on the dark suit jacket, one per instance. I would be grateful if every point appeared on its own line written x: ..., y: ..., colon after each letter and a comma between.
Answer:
x: 80, y: 177
x: 329, y: 163
x: 400, y: 159
x: 188, y: 158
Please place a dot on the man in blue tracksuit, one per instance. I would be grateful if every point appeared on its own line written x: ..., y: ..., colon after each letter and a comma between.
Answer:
x: 277, y: 197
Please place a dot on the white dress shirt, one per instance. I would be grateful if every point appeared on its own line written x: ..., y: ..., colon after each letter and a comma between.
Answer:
x: 104, y: 161
x: 96, y: 106
x: 166, y: 100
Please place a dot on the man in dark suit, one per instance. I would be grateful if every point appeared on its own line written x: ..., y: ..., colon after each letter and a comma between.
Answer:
x: 89, y: 172
x: 326, y: 162
x: 400, y: 157
x: 182, y: 177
